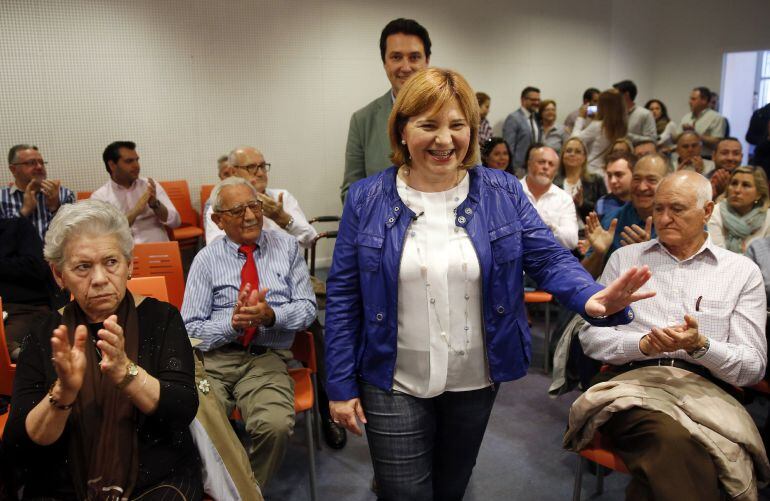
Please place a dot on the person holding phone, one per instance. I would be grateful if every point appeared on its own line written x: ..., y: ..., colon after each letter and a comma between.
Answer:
x: 609, y: 124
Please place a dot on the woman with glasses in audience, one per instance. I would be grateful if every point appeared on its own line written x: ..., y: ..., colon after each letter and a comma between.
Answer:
x: 495, y: 155
x: 664, y: 126
x: 742, y: 217
x: 425, y: 312
x: 553, y: 133
x: 584, y: 188
x: 610, y: 123
x: 104, y: 389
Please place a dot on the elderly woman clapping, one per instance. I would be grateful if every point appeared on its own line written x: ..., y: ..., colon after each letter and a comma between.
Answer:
x: 104, y: 389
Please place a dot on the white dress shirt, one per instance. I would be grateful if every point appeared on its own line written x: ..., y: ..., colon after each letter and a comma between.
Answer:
x: 557, y: 210
x: 722, y: 290
x: 147, y: 227
x: 299, y: 228
x: 425, y: 366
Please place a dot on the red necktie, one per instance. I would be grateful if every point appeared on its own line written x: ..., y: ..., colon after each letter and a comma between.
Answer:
x: 249, y: 275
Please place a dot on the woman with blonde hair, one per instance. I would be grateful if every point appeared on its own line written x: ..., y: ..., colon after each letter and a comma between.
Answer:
x: 742, y: 216
x: 425, y: 309
x: 584, y: 188
x: 609, y: 124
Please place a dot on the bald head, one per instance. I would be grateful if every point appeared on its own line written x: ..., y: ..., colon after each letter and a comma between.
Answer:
x: 688, y: 181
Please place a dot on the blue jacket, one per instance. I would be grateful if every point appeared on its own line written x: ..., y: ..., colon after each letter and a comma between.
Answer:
x: 508, y: 236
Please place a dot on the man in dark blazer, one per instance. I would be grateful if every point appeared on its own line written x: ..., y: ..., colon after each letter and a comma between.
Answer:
x: 404, y: 49
x: 522, y: 128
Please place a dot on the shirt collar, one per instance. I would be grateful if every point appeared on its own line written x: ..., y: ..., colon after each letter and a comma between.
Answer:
x: 528, y: 192
x: 116, y: 186
x: 708, y: 249
x: 526, y: 112
x: 233, y: 247
x: 15, y: 188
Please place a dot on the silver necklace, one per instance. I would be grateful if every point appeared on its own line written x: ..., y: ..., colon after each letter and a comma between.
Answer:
x: 462, y: 350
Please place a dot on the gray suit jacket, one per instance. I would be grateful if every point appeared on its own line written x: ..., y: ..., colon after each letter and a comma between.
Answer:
x: 518, y: 132
x: 368, y: 148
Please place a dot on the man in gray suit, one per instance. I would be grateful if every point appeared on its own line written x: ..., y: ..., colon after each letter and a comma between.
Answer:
x: 404, y: 49
x: 522, y: 128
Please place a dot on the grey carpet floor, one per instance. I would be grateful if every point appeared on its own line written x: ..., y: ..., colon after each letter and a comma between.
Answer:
x: 521, y: 457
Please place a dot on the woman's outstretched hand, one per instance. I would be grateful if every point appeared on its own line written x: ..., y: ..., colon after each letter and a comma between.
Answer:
x: 620, y: 293
x: 69, y: 361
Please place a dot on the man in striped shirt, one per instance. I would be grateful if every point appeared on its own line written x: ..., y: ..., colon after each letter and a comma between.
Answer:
x: 32, y: 194
x: 247, y: 294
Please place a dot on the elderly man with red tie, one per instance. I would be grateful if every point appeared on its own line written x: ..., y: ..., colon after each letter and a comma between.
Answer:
x: 246, y: 296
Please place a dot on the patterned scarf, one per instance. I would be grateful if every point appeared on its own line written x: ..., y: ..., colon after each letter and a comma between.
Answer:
x: 738, y: 228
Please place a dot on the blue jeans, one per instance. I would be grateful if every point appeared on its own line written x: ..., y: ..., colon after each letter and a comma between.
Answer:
x: 424, y: 448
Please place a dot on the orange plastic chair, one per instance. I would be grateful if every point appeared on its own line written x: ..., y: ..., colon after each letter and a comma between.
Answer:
x: 83, y: 195
x: 206, y: 190
x: 600, y: 452
x: 161, y: 259
x: 305, y: 399
x: 154, y: 287
x: 543, y: 297
x: 7, y: 369
x: 189, y: 231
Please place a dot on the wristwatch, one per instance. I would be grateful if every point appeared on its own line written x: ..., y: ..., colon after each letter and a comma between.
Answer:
x: 154, y: 205
x: 699, y: 352
x: 131, y: 371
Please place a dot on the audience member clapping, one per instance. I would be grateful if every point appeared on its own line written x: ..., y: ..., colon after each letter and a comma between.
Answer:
x: 609, y: 124
x: 688, y: 154
x: 727, y: 157
x: 553, y: 133
x: 743, y: 216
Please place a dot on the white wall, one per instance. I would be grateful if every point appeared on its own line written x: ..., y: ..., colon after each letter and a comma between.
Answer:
x: 190, y: 79
x: 738, y: 92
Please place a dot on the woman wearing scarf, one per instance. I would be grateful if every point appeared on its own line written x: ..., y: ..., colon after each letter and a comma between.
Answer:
x: 104, y: 389
x: 742, y: 217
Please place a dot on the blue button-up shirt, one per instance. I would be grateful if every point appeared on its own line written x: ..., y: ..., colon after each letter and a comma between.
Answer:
x: 215, y: 279
x: 12, y: 199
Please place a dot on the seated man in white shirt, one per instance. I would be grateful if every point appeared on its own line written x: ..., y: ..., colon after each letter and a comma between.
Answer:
x: 688, y: 154
x: 144, y: 202
x: 555, y: 207
x: 665, y: 406
x: 281, y: 210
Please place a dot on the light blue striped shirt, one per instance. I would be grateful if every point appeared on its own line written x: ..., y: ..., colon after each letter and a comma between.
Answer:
x: 215, y: 277
x: 12, y: 199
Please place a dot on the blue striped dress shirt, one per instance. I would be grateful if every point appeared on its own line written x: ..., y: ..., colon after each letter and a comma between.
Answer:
x: 12, y: 199
x: 215, y: 278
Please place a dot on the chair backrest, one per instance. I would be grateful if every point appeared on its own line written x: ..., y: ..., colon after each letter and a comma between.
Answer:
x: 161, y: 259
x: 179, y: 193
x: 206, y: 190
x: 7, y: 369
x: 154, y: 287
x: 303, y: 349
x: 83, y: 195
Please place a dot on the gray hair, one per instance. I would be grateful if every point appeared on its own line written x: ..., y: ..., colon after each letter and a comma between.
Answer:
x: 14, y: 151
x: 87, y: 217
x: 698, y: 182
x: 216, y: 193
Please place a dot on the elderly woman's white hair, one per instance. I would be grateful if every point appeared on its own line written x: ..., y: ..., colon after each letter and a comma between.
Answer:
x: 216, y: 193
x: 88, y: 217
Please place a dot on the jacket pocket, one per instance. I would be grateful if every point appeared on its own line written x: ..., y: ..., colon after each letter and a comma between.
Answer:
x: 369, y: 252
x: 506, y: 242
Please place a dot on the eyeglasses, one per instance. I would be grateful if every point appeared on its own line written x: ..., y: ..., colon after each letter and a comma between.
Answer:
x: 254, y: 206
x: 32, y: 163
x: 254, y: 168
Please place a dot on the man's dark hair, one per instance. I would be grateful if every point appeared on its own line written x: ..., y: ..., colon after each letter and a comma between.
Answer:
x: 529, y: 89
x: 589, y: 93
x: 705, y: 93
x: 626, y: 86
x: 622, y: 155
x: 17, y: 148
x: 716, y: 147
x: 407, y: 27
x: 112, y: 152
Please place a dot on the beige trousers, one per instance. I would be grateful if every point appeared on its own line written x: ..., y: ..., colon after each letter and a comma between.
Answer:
x: 263, y: 391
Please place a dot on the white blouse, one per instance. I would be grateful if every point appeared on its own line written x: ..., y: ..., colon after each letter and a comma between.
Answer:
x: 439, y: 252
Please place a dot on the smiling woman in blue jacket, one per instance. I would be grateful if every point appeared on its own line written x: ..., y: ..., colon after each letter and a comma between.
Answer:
x: 425, y: 312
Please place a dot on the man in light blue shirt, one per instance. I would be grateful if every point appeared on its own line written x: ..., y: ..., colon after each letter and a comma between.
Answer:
x: 221, y: 311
